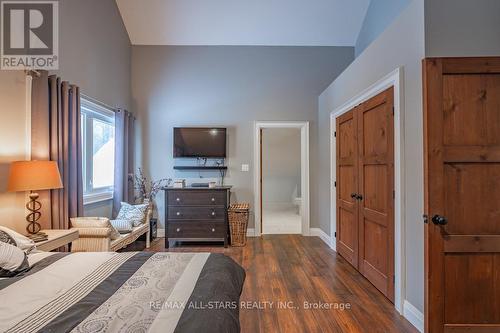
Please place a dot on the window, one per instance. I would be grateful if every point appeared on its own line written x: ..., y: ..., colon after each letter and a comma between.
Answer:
x: 98, y: 143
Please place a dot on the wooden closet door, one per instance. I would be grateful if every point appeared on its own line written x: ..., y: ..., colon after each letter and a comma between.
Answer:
x: 376, y: 190
x: 462, y: 194
x: 347, y: 208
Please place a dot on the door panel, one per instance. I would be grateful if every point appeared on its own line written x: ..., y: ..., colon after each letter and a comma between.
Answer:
x: 365, y: 168
x: 462, y: 183
x: 482, y: 271
x: 347, y: 210
x: 376, y: 184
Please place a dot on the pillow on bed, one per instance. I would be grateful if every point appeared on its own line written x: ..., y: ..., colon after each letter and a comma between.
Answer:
x: 123, y: 226
x: 13, y: 260
x: 134, y: 213
x: 95, y: 222
x: 21, y: 241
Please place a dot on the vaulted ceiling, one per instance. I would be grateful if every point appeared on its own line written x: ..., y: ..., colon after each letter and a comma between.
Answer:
x: 243, y: 22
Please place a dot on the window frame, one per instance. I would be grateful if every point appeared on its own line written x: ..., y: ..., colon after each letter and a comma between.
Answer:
x: 90, y: 110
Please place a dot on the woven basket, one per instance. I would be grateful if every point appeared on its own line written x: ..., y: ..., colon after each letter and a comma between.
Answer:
x: 238, y: 222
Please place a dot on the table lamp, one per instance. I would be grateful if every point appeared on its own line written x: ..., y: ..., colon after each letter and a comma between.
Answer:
x: 34, y: 176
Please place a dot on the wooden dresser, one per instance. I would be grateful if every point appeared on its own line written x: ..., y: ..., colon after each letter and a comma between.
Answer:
x: 196, y: 214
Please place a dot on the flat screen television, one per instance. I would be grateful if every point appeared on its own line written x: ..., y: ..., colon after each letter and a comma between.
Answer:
x: 199, y: 142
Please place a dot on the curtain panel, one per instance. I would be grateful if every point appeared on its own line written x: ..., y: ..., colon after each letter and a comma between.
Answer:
x: 124, y: 159
x: 56, y: 136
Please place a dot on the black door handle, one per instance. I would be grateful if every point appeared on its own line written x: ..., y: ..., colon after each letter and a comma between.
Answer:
x: 360, y: 197
x: 439, y: 220
x: 354, y: 195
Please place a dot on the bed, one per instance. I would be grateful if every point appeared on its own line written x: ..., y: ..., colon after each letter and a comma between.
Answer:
x: 123, y: 292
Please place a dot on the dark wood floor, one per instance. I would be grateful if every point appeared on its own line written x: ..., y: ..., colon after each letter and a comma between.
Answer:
x: 292, y: 268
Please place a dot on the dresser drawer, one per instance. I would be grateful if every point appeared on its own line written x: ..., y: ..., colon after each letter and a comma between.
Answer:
x: 196, y: 230
x: 197, y: 198
x: 196, y: 213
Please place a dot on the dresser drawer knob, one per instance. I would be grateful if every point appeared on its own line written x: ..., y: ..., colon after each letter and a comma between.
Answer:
x: 178, y: 213
x: 213, y: 213
x: 178, y: 199
x: 213, y: 229
x: 178, y: 229
x: 213, y: 199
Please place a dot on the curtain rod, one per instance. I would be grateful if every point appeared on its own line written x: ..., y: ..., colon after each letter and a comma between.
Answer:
x: 95, y: 101
x: 32, y: 72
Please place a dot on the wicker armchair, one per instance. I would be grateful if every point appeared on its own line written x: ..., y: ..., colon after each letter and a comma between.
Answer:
x: 98, y: 238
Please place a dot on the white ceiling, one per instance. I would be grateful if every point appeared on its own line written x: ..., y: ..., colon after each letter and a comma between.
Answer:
x: 243, y: 22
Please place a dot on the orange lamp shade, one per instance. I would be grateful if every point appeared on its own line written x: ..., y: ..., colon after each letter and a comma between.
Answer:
x: 34, y: 175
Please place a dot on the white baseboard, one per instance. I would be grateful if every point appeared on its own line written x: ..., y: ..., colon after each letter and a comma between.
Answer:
x: 324, y: 237
x: 413, y: 315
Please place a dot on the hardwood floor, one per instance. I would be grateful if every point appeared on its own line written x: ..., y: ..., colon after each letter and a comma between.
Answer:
x: 292, y: 268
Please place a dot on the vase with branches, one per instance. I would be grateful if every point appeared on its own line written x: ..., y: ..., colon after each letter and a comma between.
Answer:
x: 147, y: 189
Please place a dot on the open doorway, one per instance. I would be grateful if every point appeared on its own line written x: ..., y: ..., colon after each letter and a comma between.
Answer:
x: 280, y: 172
x: 282, y: 178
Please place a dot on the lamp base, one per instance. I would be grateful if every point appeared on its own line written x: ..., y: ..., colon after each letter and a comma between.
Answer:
x: 32, y: 218
x: 38, y: 237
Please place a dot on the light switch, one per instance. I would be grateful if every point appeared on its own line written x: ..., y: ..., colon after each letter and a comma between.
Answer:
x: 245, y: 167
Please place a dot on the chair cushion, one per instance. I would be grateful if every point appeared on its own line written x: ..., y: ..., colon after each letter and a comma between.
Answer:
x: 21, y: 241
x: 13, y: 260
x: 95, y: 222
x: 134, y: 213
x: 123, y: 226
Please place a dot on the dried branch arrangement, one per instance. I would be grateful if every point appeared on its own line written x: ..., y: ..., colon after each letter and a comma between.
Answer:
x: 147, y: 189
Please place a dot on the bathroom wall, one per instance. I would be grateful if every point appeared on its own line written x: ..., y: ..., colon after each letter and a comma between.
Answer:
x: 280, y: 165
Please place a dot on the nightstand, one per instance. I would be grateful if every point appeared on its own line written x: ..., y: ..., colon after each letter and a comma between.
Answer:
x: 57, y: 238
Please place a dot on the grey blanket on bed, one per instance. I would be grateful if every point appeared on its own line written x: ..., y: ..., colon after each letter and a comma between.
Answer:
x: 124, y: 292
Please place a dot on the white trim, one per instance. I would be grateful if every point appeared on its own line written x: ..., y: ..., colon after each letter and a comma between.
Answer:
x: 324, y: 237
x: 27, y: 135
x: 27, y: 127
x: 304, y: 175
x: 91, y: 105
x: 97, y: 197
x: 394, y: 79
x: 413, y: 315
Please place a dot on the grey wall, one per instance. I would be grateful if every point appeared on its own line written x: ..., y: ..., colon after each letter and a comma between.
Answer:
x: 280, y: 164
x: 94, y: 50
x: 462, y: 28
x: 401, y: 44
x: 94, y: 53
x: 380, y: 14
x: 230, y: 87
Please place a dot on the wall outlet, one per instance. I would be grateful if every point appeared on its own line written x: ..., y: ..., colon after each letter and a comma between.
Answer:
x: 245, y: 167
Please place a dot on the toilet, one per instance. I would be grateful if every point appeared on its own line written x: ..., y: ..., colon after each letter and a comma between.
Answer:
x: 297, y: 202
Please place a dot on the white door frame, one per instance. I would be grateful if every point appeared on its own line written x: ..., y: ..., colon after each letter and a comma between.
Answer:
x: 394, y: 79
x: 304, y: 169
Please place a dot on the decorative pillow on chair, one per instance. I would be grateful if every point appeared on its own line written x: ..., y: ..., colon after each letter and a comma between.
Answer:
x: 123, y: 226
x: 21, y: 241
x: 13, y: 260
x: 134, y: 213
x: 95, y: 222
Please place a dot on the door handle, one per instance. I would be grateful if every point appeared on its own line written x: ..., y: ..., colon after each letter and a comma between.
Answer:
x: 359, y: 197
x: 354, y: 195
x: 439, y: 220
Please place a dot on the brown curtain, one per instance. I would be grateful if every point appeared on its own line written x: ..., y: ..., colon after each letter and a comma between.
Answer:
x: 56, y: 135
x: 124, y: 159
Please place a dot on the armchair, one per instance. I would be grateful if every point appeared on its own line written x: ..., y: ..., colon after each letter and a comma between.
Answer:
x: 98, y: 235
